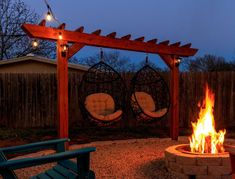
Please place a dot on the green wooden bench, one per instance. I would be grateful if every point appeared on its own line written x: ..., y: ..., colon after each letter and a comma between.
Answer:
x: 64, y: 168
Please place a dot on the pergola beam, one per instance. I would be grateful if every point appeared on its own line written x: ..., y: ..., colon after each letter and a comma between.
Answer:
x: 166, y: 42
x: 126, y: 37
x: 42, y: 23
x: 187, y: 45
x: 80, y: 29
x: 112, y: 35
x: 61, y: 26
x: 95, y: 39
x: 153, y: 41
x: 140, y: 39
x: 96, y: 32
x: 177, y: 44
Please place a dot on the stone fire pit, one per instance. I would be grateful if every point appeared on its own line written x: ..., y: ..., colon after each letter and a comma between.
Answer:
x: 200, y: 166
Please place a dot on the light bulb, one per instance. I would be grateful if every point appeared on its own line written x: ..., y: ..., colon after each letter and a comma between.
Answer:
x: 60, y: 36
x: 48, y: 16
x: 177, y: 62
x: 64, y: 48
x: 35, y: 43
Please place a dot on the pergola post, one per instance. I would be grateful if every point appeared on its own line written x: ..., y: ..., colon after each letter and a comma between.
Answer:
x: 173, y: 64
x: 62, y: 89
x: 174, y: 109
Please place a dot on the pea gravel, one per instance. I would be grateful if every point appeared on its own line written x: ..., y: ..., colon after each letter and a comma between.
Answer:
x: 121, y: 159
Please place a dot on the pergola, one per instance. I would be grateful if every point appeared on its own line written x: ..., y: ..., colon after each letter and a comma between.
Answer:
x: 170, y: 53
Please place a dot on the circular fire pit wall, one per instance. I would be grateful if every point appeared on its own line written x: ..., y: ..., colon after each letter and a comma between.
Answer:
x: 187, y: 165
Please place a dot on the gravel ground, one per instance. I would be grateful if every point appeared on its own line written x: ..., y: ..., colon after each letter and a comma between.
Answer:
x: 122, y: 159
x: 135, y: 158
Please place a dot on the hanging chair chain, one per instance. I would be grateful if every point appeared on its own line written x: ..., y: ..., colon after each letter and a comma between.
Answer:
x: 147, y: 58
x: 101, y: 55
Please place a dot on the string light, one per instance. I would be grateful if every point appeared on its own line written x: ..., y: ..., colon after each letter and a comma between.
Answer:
x: 35, y: 43
x: 177, y: 61
x: 64, y: 50
x: 48, y: 16
x: 60, y: 36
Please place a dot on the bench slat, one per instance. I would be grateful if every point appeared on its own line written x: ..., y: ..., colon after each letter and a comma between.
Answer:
x: 34, y: 146
x: 69, y: 164
x: 65, y: 172
x: 43, y: 176
x: 29, y: 162
x: 73, y: 166
x: 34, y: 177
x: 54, y: 174
x: 65, y: 168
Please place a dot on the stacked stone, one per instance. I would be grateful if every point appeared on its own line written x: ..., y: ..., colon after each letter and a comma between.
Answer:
x: 199, y: 166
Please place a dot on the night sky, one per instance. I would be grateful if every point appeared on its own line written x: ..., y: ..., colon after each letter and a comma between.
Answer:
x: 208, y: 24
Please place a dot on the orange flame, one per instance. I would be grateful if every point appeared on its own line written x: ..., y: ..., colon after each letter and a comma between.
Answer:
x: 205, y: 139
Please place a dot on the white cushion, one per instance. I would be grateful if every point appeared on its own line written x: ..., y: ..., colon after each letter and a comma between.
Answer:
x: 108, y: 117
x: 144, y: 100
x: 156, y: 114
x: 100, y: 103
x: 147, y: 104
x: 101, y: 106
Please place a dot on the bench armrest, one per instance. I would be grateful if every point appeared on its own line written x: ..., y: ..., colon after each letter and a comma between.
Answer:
x: 36, y: 146
x: 29, y: 162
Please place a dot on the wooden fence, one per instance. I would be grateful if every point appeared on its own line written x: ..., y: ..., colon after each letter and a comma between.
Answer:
x: 30, y: 100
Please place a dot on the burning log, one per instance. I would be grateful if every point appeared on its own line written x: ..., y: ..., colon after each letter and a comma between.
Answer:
x: 205, y: 139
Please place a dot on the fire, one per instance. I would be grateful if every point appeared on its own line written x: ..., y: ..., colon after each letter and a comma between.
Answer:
x: 205, y: 139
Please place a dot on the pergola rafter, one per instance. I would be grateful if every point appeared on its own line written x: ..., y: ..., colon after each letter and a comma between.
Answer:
x: 95, y: 39
x: 79, y: 39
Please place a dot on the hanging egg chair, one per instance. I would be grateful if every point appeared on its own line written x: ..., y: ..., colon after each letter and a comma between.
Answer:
x: 102, y: 94
x: 150, y: 97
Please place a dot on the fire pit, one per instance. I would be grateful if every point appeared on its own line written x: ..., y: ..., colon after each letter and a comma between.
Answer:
x: 185, y: 164
x: 204, y: 156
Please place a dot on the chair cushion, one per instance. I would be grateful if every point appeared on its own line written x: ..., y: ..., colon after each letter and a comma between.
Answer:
x: 109, y: 117
x: 100, y: 104
x: 156, y: 114
x: 145, y: 100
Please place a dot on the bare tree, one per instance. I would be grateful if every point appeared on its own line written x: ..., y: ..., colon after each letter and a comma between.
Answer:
x: 117, y: 61
x: 13, y: 41
x: 208, y: 63
x: 113, y: 58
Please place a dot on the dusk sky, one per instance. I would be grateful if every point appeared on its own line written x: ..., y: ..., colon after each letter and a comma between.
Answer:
x: 208, y: 24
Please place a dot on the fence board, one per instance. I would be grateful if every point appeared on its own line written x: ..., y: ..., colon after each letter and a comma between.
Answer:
x: 30, y: 100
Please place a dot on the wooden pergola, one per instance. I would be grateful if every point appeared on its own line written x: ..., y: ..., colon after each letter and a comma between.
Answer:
x: 70, y: 42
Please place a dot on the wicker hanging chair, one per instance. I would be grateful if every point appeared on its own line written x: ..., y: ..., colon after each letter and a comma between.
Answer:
x: 150, y: 97
x: 102, y: 94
